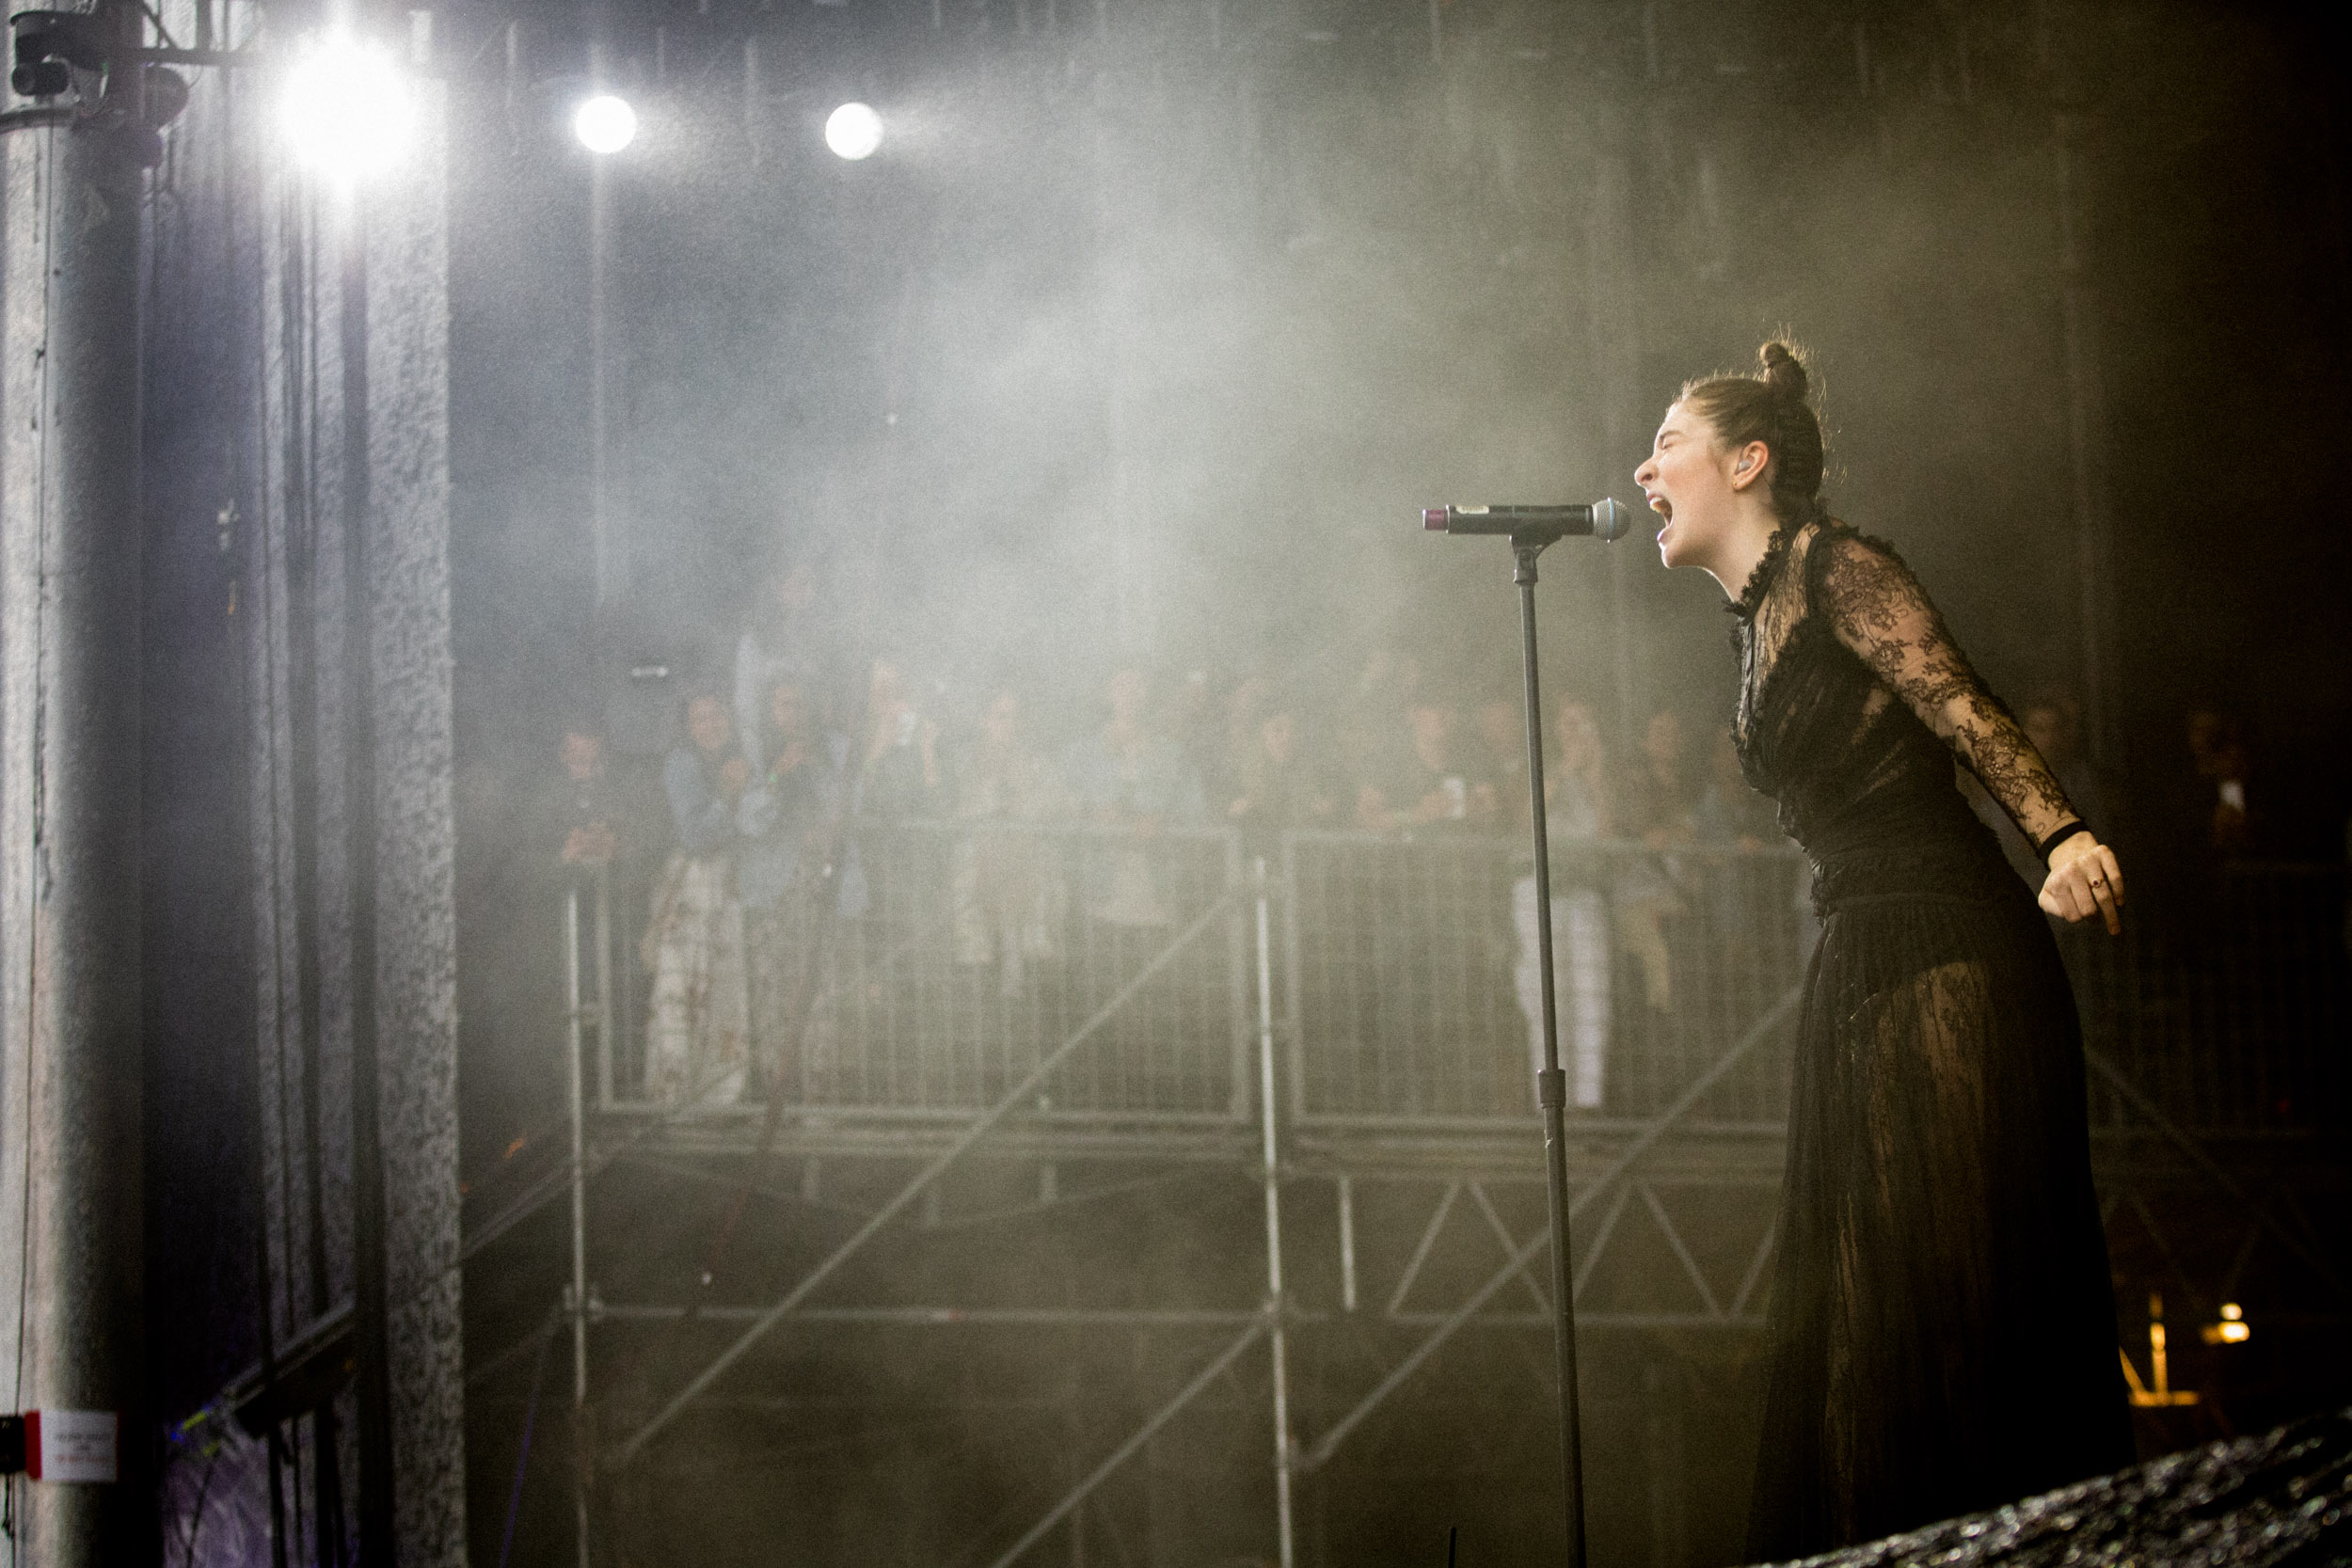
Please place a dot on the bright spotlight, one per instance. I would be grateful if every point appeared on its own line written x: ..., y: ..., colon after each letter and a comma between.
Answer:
x: 854, y: 131
x: 605, y: 124
x: 348, y: 112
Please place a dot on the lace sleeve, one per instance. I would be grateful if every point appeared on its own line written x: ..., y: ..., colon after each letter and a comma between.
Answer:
x: 1878, y: 610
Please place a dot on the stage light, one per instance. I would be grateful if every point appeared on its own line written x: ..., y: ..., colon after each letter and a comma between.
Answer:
x: 854, y: 131
x: 347, y: 110
x: 605, y: 124
x: 2231, y: 1329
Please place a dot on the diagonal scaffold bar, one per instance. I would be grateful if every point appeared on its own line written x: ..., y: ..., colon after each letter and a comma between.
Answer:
x: 2175, y: 1135
x: 1009, y: 1102
x: 1143, y: 1435
x: 1316, y: 1457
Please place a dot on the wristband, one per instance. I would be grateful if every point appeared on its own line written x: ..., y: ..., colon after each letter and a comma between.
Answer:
x: 2064, y: 832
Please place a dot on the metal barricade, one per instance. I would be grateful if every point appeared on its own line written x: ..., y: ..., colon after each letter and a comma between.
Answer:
x: 590, y: 1004
x: 1405, y: 977
x: 962, y: 953
x: 1410, y: 971
x: 2229, y: 1017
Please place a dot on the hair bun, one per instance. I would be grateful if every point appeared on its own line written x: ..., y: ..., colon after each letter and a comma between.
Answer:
x: 1784, y: 369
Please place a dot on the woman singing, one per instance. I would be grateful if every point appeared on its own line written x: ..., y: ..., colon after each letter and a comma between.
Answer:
x: 1943, y: 1329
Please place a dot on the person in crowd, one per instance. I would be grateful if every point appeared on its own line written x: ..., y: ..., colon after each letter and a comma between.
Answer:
x: 603, y: 836
x: 1741, y: 901
x: 1500, y: 755
x: 1275, y: 786
x: 1370, y: 731
x: 1942, y: 1326
x: 1434, y: 785
x: 1578, y: 816
x: 696, y: 1039
x: 1191, y: 719
x: 583, y: 807
x: 783, y: 641
x: 1659, y: 800
x: 1009, y: 896
x: 1729, y: 812
x: 1246, y: 708
x: 787, y: 821
x: 1128, y: 776
x: 2218, y: 751
x: 901, y: 775
x: 1661, y: 791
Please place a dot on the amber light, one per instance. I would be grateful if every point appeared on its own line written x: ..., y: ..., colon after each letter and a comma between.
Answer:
x: 2231, y: 1329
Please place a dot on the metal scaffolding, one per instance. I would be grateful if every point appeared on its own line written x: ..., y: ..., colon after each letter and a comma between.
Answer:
x: 1144, y: 1065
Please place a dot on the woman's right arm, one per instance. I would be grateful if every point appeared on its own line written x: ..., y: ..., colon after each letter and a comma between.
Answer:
x: 1881, y: 614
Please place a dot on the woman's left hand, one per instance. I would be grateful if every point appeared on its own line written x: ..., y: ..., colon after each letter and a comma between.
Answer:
x: 2085, y: 880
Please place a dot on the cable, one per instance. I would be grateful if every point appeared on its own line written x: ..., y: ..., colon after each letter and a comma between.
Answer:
x: 522, y: 1462
x: 196, y: 1517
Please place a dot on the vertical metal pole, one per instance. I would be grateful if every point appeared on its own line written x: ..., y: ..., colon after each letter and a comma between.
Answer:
x: 298, y: 351
x: 371, y: 1318
x: 1347, y: 1242
x: 579, y: 1293
x: 2085, y: 439
x: 750, y: 96
x: 611, y: 549
x: 515, y: 83
x: 1276, y: 1304
x: 73, y: 1317
x: 1077, y: 1434
x: 1552, y: 1083
x: 606, y: 1012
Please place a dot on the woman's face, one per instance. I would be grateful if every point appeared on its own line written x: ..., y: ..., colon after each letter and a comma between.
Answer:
x: 1688, y: 480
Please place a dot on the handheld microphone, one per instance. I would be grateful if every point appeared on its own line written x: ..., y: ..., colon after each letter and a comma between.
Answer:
x: 1604, y: 520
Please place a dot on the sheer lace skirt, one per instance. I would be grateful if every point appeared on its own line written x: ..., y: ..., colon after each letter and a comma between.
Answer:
x: 1943, y: 1328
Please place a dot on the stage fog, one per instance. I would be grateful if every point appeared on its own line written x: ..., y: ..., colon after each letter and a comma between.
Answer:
x: 1091, y: 417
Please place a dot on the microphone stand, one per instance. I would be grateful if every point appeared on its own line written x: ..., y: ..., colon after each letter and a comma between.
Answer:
x: 1552, y: 1082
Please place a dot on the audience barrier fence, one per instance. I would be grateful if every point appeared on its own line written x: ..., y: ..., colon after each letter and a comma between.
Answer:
x: 960, y: 955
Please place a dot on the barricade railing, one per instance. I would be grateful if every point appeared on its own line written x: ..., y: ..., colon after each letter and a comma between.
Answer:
x: 961, y: 952
x: 1404, y: 977
x: 2230, y: 1015
x: 1412, y: 978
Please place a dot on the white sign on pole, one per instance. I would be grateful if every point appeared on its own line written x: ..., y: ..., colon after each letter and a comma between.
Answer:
x: 71, y: 1445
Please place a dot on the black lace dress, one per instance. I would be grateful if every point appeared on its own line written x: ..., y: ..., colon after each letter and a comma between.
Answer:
x: 1943, y: 1328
